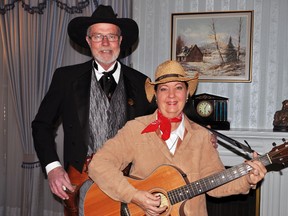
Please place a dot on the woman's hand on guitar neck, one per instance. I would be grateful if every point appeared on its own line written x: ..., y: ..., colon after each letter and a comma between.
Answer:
x: 151, y: 204
x: 258, y: 171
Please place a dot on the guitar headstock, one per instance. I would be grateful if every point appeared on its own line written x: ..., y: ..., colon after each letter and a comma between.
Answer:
x: 279, y: 154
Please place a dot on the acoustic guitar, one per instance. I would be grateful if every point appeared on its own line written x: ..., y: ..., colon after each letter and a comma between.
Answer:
x: 173, y: 187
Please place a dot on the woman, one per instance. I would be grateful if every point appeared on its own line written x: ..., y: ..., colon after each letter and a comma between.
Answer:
x: 148, y: 143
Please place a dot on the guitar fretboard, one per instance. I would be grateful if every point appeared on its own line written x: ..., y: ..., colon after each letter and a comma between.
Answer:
x: 203, y: 185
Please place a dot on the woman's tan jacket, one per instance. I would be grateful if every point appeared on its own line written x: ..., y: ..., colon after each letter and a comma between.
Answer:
x: 195, y: 156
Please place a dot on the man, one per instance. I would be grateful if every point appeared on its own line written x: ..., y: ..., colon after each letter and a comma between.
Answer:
x: 91, y: 102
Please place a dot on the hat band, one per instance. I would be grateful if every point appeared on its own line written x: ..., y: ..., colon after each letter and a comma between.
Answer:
x: 168, y: 75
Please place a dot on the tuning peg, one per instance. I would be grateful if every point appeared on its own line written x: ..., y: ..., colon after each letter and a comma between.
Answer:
x: 283, y: 139
x: 274, y: 144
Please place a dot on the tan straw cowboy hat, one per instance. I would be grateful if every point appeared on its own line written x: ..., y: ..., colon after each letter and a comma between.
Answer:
x: 170, y: 71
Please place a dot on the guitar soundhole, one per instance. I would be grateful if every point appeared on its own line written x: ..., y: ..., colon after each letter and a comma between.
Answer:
x: 164, y: 200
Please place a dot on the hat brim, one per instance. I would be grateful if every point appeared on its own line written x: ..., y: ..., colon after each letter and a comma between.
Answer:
x: 191, y: 81
x: 77, y: 30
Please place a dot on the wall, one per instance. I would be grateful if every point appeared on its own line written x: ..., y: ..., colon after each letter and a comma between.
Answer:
x: 251, y: 105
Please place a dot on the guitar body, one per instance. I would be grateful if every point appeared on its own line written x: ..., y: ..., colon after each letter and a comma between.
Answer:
x: 167, y: 180
x: 163, y: 179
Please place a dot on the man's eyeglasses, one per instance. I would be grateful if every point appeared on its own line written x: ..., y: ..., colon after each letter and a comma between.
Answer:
x: 100, y: 37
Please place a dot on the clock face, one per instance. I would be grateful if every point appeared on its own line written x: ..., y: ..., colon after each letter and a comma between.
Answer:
x: 204, y: 108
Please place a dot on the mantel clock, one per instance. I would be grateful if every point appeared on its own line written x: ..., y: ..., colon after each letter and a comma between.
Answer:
x: 211, y: 110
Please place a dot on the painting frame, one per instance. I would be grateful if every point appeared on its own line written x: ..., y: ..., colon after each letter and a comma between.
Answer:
x: 218, y: 45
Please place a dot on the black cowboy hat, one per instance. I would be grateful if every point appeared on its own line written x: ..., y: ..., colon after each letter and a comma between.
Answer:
x: 77, y: 27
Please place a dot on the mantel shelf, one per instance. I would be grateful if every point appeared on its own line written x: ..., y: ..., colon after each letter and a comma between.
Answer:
x: 259, y: 140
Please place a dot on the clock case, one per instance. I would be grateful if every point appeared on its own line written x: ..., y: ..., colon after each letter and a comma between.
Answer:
x: 218, y: 118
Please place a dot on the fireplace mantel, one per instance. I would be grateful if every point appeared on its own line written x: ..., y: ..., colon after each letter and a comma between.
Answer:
x: 274, y: 188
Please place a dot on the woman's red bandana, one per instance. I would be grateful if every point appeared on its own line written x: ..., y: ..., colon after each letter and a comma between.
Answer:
x: 163, y: 123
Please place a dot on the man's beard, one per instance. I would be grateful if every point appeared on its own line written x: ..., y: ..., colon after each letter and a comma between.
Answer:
x: 109, y: 61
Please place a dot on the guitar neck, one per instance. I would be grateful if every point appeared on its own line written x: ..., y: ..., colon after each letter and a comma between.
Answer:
x: 208, y: 183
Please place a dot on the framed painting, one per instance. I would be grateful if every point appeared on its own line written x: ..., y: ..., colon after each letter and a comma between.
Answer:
x: 217, y: 45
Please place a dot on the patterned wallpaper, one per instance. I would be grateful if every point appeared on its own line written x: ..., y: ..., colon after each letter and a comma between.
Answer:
x: 251, y: 105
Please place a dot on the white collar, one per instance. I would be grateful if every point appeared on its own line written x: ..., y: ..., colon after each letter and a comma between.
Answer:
x: 173, y: 139
x: 180, y: 129
x: 100, y: 70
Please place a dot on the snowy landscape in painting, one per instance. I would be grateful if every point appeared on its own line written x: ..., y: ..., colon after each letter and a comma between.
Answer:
x: 215, y: 46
